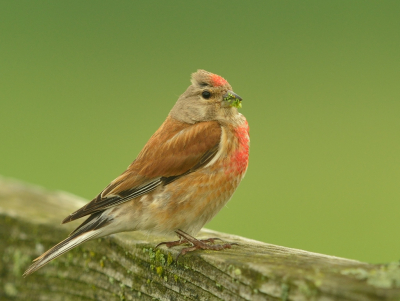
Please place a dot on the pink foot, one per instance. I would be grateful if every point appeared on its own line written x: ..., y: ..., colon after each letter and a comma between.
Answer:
x: 203, y: 244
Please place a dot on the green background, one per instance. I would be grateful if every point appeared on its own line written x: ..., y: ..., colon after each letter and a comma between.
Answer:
x: 84, y: 84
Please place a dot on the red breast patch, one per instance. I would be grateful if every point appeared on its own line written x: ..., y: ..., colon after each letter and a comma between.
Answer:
x: 240, y: 158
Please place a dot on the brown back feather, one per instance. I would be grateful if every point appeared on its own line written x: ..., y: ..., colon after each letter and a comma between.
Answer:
x: 174, y: 150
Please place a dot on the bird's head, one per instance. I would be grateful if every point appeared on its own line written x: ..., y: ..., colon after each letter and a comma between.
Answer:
x: 209, y: 97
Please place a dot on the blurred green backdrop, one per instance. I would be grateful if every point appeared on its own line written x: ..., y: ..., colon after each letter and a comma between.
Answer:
x: 84, y: 84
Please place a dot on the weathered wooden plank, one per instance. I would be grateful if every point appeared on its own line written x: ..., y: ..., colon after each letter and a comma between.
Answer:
x: 127, y: 267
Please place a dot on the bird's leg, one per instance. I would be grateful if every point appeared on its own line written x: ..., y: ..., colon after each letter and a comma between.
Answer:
x: 201, y: 244
x: 175, y: 243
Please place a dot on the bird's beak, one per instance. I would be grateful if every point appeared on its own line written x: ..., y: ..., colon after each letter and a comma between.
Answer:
x: 232, y: 99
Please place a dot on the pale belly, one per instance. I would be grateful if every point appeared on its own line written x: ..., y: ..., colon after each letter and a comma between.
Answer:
x: 187, y: 203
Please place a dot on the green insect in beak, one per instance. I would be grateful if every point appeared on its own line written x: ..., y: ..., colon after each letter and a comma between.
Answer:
x: 233, y: 99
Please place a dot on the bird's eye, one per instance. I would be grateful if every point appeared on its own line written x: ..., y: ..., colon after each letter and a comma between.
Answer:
x: 206, y: 94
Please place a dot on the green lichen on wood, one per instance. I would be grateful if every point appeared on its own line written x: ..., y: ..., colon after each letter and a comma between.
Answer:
x: 159, y: 271
x: 384, y: 276
x: 170, y: 259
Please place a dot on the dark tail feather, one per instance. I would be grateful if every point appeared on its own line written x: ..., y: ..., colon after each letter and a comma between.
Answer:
x: 89, y: 229
x: 59, y: 249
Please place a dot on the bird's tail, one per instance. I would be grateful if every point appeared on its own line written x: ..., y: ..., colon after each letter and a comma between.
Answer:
x: 89, y: 229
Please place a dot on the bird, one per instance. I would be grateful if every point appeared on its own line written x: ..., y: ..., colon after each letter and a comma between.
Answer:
x: 183, y: 176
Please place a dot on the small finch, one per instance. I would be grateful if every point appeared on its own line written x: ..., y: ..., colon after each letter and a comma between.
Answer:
x: 183, y: 176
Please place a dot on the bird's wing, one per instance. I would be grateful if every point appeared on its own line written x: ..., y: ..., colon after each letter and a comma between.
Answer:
x: 174, y: 150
